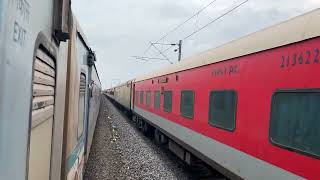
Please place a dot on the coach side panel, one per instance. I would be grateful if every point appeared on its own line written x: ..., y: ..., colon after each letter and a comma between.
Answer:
x: 122, y: 95
x: 24, y: 27
x: 245, y: 148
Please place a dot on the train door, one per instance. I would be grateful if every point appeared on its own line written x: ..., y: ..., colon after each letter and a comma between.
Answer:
x: 42, y: 116
x: 76, y: 108
x: 89, y: 59
x: 76, y: 158
x: 87, y: 118
x: 133, y: 95
x: 78, y: 152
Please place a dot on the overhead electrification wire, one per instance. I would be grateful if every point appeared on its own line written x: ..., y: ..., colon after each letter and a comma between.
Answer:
x: 194, y: 32
x: 179, y: 25
x: 216, y: 19
x: 148, y: 58
x: 162, y: 53
x: 166, y: 50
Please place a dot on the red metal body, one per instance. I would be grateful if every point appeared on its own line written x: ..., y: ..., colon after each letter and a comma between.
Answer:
x: 255, y: 78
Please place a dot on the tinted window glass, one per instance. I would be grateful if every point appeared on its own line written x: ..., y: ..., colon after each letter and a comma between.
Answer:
x: 141, y: 97
x: 295, y: 121
x: 137, y: 97
x: 167, y: 105
x: 222, y: 109
x: 148, y: 94
x: 187, y: 104
x: 157, y: 99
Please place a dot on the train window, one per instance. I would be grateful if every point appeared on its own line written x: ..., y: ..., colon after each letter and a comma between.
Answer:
x: 141, y: 97
x: 42, y: 120
x: 222, y: 109
x: 81, y: 105
x: 148, y: 96
x: 167, y: 105
x: 137, y: 97
x: 157, y: 99
x: 187, y: 104
x: 295, y: 121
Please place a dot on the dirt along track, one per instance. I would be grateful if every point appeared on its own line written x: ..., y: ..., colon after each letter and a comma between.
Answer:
x: 120, y: 151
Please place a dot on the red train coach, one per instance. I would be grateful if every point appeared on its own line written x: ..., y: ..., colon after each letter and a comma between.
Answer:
x: 249, y: 108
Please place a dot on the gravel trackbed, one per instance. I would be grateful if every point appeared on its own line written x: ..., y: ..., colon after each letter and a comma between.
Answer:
x: 120, y: 151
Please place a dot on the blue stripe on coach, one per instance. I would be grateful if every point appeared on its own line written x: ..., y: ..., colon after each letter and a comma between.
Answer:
x: 74, y: 155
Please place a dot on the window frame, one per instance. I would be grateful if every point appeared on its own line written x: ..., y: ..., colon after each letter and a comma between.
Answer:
x: 193, y: 100
x: 141, y: 100
x: 164, y: 109
x: 154, y: 99
x: 148, y: 103
x: 234, y: 113
x: 137, y: 95
x: 84, y: 107
x: 308, y: 90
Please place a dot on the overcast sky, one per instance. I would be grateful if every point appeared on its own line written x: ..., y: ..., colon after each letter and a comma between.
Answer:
x: 120, y: 29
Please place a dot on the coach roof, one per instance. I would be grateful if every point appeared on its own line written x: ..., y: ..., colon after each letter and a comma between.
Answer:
x: 300, y: 28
